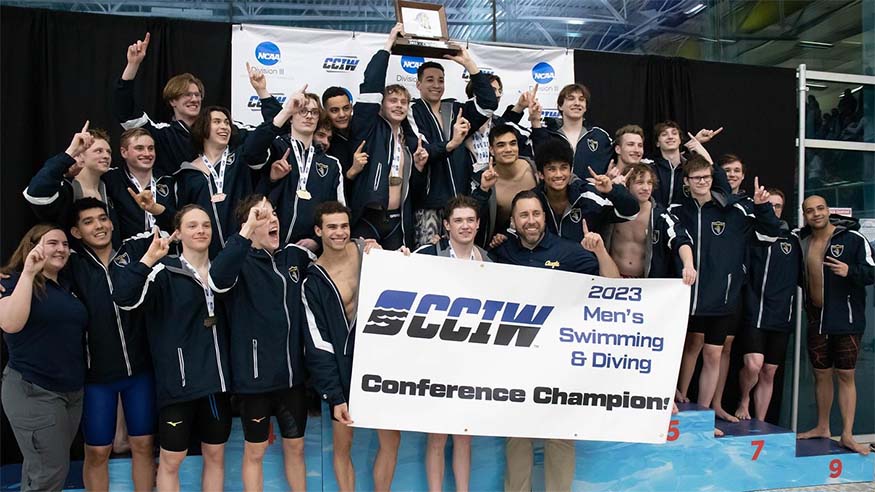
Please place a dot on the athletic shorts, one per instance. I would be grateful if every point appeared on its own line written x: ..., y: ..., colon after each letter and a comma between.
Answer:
x: 735, y: 324
x: 771, y: 343
x: 382, y: 225
x: 289, y: 405
x: 210, y: 415
x: 827, y: 351
x: 714, y: 328
x: 100, y: 408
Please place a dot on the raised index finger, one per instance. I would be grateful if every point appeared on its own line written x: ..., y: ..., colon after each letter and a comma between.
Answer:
x: 146, y: 39
x: 585, y: 228
x: 715, y: 132
x: 756, y: 183
x: 85, y: 126
x: 361, y: 147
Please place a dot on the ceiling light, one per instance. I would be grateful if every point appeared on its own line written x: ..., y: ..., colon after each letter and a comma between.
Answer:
x: 815, y: 44
x: 576, y: 22
x: 695, y: 10
x: 856, y: 89
x: 815, y: 86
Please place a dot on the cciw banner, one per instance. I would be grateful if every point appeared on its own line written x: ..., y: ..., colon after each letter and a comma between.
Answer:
x: 291, y: 57
x: 462, y: 347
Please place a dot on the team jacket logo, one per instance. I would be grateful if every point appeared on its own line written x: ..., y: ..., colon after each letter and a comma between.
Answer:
x: 575, y: 215
x: 592, y: 144
x: 162, y: 189
x: 837, y: 249
x: 393, y: 308
x: 786, y: 248
x: 655, y: 236
x: 321, y: 169
x: 122, y: 260
x: 294, y: 274
x: 717, y: 227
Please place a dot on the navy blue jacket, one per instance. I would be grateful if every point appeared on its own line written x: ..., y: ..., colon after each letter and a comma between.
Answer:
x: 262, y: 296
x: 773, y: 273
x: 324, y: 182
x: 592, y: 149
x: 48, y: 351
x: 587, y: 203
x: 720, y: 234
x: 371, y: 187
x: 671, y: 181
x: 191, y: 185
x: 551, y: 252
x: 190, y: 360
x: 116, y: 345
x: 330, y: 336
x: 844, y: 298
x: 449, y: 172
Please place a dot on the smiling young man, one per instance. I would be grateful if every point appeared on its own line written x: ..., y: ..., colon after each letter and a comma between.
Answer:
x: 669, y: 160
x: 392, y: 171
x: 838, y: 267
x: 338, y: 107
x: 629, y: 147
x: 330, y: 298
x: 118, y: 355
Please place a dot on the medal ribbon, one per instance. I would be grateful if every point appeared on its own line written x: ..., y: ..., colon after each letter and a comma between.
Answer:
x: 208, y: 293
x: 218, y: 177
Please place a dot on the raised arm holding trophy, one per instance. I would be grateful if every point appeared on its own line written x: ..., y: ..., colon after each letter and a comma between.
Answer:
x: 425, y: 31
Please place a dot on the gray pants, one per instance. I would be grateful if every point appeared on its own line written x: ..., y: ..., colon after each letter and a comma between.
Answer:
x: 44, y: 423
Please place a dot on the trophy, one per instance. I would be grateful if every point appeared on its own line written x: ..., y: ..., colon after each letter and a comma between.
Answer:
x: 425, y: 31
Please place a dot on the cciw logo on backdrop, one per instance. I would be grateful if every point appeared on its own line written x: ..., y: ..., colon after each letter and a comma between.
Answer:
x: 467, y: 76
x: 543, y: 73
x: 267, y: 53
x: 340, y: 63
x: 394, y: 310
x: 254, y: 103
x: 410, y: 64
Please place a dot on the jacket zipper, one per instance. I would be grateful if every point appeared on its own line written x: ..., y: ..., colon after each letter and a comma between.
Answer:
x: 377, y: 177
x: 850, y: 311
x: 790, y: 314
x: 698, y: 255
x: 288, y: 320
x: 121, y: 332
x: 181, y: 365
x: 254, y: 358
x: 294, y: 219
x: 728, y: 286
x: 218, y: 360
x: 763, y: 290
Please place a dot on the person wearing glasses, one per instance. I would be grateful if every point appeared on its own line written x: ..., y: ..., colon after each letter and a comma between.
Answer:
x: 719, y: 226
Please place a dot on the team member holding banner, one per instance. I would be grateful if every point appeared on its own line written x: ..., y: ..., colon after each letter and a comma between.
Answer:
x: 330, y: 298
x: 386, y: 183
x: 461, y: 220
x: 537, y: 247
x: 260, y: 283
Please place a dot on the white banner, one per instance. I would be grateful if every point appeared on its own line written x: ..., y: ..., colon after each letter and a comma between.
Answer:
x: 462, y: 347
x: 291, y: 57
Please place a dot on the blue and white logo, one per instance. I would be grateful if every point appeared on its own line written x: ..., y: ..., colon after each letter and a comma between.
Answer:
x: 267, y: 53
x: 411, y: 64
x: 340, y: 63
x: 543, y: 73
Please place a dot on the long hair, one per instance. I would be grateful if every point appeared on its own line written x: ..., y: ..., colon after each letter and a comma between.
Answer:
x: 28, y: 242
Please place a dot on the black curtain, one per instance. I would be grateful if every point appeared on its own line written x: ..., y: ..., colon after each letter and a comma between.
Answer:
x: 59, y: 69
x: 755, y: 105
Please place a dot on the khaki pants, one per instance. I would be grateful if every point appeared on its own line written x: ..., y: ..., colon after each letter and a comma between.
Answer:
x: 558, y: 465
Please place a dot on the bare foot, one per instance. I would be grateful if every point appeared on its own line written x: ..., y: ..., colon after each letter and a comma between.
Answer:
x: 724, y: 415
x: 674, y: 408
x: 718, y: 432
x: 814, y: 433
x: 680, y: 398
x: 742, y: 413
x: 850, y: 443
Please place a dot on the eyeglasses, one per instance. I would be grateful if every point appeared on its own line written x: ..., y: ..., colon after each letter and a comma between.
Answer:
x: 308, y: 112
x: 700, y: 179
x: 192, y: 94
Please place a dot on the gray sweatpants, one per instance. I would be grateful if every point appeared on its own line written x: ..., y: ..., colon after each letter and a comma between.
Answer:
x: 44, y: 423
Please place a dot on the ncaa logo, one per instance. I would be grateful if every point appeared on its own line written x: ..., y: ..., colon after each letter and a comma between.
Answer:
x: 543, y: 73
x: 411, y: 64
x: 267, y: 53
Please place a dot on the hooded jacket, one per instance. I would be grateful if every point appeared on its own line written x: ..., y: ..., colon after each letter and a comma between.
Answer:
x: 592, y: 149
x: 262, y: 295
x: 587, y: 203
x: 844, y: 298
x: 773, y: 273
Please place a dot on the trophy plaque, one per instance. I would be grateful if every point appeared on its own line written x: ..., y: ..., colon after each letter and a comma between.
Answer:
x: 425, y: 31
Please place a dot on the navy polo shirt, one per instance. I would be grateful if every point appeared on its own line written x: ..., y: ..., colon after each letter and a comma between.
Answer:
x: 551, y: 252
x: 49, y: 350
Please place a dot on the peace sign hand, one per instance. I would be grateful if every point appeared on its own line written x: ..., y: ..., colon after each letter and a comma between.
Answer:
x: 159, y: 247
x: 837, y: 267
x: 602, y: 182
x: 760, y: 195
x: 489, y: 177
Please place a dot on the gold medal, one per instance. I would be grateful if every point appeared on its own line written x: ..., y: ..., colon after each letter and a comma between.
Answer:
x: 304, y: 194
x: 218, y: 197
x: 210, y: 321
x: 394, y: 181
